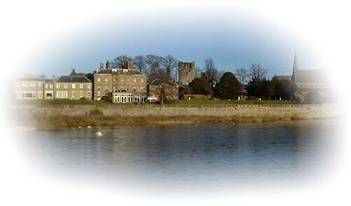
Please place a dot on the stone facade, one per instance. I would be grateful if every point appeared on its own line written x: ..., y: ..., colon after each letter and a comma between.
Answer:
x: 102, y: 84
x: 29, y: 88
x: 73, y: 87
x: 171, y: 90
x: 186, y: 72
x: 49, y: 89
x: 129, y: 86
x: 126, y: 85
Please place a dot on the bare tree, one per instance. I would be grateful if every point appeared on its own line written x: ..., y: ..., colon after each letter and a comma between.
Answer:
x: 121, y: 61
x: 257, y: 72
x: 242, y: 74
x: 169, y: 63
x: 153, y: 62
x: 140, y: 63
x: 211, y: 72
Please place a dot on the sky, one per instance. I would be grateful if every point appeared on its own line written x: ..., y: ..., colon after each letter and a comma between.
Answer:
x: 232, y: 41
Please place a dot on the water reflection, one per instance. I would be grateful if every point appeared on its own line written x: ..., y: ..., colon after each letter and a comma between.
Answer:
x: 221, y: 154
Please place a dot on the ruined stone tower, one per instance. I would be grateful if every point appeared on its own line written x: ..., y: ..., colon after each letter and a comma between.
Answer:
x: 186, y: 72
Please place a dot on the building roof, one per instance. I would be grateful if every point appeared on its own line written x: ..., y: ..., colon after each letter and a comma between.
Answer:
x: 158, y: 82
x: 73, y: 78
x: 30, y: 79
x: 119, y: 71
x: 281, y: 77
x: 309, y: 76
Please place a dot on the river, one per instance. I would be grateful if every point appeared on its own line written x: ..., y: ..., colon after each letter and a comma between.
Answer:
x: 192, y: 156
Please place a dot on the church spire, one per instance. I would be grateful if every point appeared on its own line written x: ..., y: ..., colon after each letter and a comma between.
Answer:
x: 295, y: 68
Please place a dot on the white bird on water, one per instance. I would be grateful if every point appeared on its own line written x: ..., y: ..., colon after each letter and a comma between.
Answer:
x: 99, y: 133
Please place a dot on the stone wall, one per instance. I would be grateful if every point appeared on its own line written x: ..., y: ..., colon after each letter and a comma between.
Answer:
x: 240, y: 111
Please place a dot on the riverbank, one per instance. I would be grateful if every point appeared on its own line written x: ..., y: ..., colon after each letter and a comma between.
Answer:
x: 52, y: 117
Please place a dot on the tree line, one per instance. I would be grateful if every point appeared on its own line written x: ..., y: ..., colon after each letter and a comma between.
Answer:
x: 251, y: 82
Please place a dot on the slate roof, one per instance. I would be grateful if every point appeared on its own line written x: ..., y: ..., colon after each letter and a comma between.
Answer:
x: 309, y: 76
x: 30, y: 79
x: 118, y: 71
x: 158, y: 82
x: 73, y: 78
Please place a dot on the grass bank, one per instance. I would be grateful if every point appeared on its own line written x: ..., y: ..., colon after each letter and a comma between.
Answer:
x: 52, y: 116
x: 180, y: 103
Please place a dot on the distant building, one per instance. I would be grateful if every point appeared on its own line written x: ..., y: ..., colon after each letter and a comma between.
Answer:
x: 308, y: 80
x: 49, y: 89
x: 169, y: 89
x: 283, y: 77
x: 311, y: 84
x: 129, y: 86
x: 186, y: 72
x: 102, y: 83
x: 126, y: 85
x: 29, y: 88
x: 73, y: 87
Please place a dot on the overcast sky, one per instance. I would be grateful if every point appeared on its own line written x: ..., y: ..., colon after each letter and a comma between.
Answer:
x: 232, y: 42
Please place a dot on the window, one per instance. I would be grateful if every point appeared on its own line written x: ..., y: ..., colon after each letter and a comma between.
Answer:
x: 65, y: 86
x: 50, y: 86
x: 46, y: 86
x: 61, y: 94
x: 98, y: 79
x: 32, y: 84
x: 73, y: 86
x: 28, y: 95
x: 106, y: 80
x: 81, y: 86
x: 88, y: 93
x: 81, y: 94
x: 89, y: 86
x: 141, y: 80
x: 58, y: 86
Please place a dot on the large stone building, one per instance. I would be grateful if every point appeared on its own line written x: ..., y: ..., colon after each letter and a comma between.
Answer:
x: 29, y: 88
x: 168, y: 90
x: 126, y: 85
x: 73, y: 87
x: 186, y: 72
x: 102, y: 83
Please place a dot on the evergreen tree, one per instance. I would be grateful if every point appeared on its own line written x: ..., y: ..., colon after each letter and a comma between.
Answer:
x: 228, y: 87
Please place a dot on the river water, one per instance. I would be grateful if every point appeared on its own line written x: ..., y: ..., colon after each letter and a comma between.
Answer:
x: 193, y: 156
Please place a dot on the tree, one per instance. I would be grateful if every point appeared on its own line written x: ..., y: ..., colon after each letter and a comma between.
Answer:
x: 169, y: 63
x: 257, y: 71
x: 254, y: 88
x: 283, y: 88
x: 200, y: 86
x: 121, y: 61
x: 267, y: 89
x: 140, y: 63
x: 242, y: 74
x: 159, y: 74
x: 153, y: 62
x: 228, y: 87
x: 210, y: 71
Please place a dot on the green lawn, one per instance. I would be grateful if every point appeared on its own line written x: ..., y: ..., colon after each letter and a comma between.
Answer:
x: 187, y: 103
x: 205, y: 102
